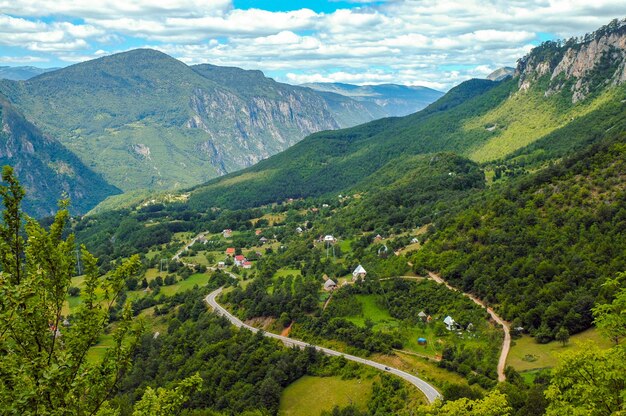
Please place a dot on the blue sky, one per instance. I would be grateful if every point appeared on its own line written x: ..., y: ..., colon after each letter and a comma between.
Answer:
x: 436, y: 43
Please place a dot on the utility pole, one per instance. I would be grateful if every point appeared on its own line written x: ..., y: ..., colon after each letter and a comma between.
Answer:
x: 78, y: 262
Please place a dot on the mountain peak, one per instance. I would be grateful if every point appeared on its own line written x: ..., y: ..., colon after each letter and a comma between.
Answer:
x: 501, y: 73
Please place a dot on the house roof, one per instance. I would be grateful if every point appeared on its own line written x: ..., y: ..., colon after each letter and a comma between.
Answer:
x: 421, y: 314
x: 448, y: 320
x: 240, y: 257
x: 329, y: 238
x: 359, y: 270
x: 329, y: 283
x: 230, y: 250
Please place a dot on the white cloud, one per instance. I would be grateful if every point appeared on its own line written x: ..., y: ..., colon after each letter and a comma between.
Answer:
x: 408, y: 41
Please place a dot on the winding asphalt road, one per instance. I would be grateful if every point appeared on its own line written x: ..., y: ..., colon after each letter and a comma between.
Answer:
x: 429, y: 391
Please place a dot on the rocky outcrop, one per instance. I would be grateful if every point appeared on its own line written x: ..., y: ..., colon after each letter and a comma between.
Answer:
x: 578, y: 65
x: 247, y: 129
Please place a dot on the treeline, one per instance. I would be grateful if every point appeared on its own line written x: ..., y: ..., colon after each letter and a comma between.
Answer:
x: 540, y: 248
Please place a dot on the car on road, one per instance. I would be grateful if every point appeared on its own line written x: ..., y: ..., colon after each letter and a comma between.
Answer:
x: 387, y: 368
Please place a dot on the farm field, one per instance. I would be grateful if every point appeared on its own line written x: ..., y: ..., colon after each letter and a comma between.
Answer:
x: 527, y: 355
x: 310, y: 395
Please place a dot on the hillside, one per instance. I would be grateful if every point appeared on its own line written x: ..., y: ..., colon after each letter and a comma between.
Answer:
x: 46, y: 169
x: 523, y: 120
x: 145, y: 120
x: 394, y: 100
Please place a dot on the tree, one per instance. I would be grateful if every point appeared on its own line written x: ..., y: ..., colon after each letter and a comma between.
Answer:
x: 562, y: 335
x: 163, y: 402
x: 43, y: 368
x: 493, y: 404
x: 610, y: 318
x: 588, y: 381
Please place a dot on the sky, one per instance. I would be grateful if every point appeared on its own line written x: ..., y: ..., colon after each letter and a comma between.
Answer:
x: 434, y: 43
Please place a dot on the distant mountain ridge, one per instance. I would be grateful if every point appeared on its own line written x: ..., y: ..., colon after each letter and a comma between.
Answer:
x: 395, y: 100
x: 501, y: 73
x: 21, y: 73
x: 143, y: 119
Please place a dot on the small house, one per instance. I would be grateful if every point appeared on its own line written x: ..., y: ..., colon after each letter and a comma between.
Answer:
x: 246, y: 265
x: 329, y: 239
x: 227, y: 233
x: 221, y: 264
x: 239, y: 260
x: 359, y: 272
x: 263, y: 240
x: 422, y: 315
x: 450, y: 323
x: 330, y: 285
x: 414, y: 240
x: 230, y: 251
x: 258, y: 232
x: 378, y: 237
x: 299, y: 230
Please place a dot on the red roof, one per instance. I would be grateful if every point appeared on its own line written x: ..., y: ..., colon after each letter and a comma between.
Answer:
x: 230, y: 250
x: 247, y: 263
x: 240, y: 258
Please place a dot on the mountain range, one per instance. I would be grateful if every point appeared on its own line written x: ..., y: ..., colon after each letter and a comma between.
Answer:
x: 144, y: 120
x: 395, y: 100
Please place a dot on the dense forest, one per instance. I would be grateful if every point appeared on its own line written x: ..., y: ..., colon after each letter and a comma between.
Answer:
x: 541, y: 247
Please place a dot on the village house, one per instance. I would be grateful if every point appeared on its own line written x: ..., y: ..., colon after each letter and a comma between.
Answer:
x: 239, y: 260
x: 299, y: 230
x: 246, y: 265
x: 450, y: 323
x: 422, y: 315
x: 230, y: 251
x: 359, y: 272
x: 258, y: 232
x: 263, y: 240
x: 221, y: 264
x: 330, y: 285
x: 227, y: 233
x: 329, y: 239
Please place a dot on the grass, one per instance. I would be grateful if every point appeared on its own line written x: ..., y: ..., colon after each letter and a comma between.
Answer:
x: 521, y: 120
x: 373, y: 312
x: 309, y: 395
x: 526, y: 354
x: 199, y: 279
x: 287, y: 272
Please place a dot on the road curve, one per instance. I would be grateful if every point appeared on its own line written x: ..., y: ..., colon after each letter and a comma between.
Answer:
x: 429, y: 391
x: 506, y: 344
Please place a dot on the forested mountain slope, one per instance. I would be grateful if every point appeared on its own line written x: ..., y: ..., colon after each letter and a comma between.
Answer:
x: 46, y: 169
x: 562, y: 97
x: 541, y: 247
x: 146, y: 120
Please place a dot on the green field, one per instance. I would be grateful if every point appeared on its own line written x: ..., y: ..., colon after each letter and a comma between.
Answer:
x: 287, y: 272
x: 309, y: 395
x: 526, y: 354
x: 199, y: 279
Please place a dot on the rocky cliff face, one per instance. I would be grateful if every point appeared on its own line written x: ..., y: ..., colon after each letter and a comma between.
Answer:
x: 245, y: 130
x: 578, y: 65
